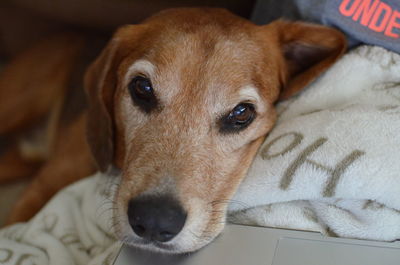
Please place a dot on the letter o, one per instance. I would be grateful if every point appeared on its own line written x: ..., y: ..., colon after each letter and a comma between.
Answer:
x: 6, y: 256
x: 297, y: 138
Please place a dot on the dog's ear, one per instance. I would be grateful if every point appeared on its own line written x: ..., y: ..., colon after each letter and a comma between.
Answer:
x: 100, y: 84
x: 308, y: 50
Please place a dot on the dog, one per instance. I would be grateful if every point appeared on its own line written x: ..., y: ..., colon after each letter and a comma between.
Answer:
x: 177, y: 109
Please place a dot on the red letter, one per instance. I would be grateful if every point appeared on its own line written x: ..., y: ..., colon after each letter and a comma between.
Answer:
x: 393, y: 24
x: 382, y: 9
x: 345, y: 10
x: 366, y: 9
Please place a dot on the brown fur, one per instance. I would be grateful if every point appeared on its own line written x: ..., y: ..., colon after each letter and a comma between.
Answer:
x: 199, y: 61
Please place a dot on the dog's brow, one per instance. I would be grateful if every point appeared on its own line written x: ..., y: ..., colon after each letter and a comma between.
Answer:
x: 249, y: 93
x: 143, y: 67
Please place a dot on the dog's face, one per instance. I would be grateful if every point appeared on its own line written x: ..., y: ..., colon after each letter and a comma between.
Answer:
x: 181, y: 103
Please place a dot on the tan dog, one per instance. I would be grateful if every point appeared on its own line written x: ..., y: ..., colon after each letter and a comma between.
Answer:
x: 179, y: 106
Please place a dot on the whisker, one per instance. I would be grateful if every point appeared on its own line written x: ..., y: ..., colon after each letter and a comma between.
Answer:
x: 229, y: 201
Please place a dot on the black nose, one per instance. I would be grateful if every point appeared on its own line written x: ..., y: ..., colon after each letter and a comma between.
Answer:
x: 156, y: 218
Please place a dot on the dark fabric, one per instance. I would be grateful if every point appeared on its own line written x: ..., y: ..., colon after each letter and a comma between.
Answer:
x: 375, y: 22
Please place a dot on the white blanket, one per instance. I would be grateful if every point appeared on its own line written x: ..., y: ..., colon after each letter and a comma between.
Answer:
x: 332, y: 164
x: 74, y: 228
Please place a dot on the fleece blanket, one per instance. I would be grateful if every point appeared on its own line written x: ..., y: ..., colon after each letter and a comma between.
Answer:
x: 74, y: 228
x: 332, y: 164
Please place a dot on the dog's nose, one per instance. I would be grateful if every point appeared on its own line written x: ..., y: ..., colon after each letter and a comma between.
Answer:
x: 156, y: 218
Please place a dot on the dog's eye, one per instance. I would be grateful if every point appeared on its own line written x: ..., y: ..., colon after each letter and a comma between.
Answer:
x: 239, y: 118
x: 142, y: 93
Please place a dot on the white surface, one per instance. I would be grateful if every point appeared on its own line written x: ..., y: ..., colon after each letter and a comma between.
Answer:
x: 241, y: 245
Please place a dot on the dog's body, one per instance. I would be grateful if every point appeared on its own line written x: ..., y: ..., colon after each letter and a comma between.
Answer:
x: 178, y: 106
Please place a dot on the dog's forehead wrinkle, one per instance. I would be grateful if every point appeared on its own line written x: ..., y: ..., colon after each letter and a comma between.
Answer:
x: 201, y: 47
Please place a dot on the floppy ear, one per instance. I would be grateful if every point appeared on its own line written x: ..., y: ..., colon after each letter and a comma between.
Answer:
x: 308, y: 51
x: 100, y: 85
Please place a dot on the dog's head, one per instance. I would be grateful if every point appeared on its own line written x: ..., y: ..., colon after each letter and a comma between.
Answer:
x: 181, y: 103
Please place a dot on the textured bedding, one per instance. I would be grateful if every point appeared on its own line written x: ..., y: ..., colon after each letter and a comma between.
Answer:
x: 73, y: 228
x: 330, y: 165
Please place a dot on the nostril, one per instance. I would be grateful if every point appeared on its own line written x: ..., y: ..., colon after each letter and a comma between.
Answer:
x: 156, y: 218
x: 139, y: 230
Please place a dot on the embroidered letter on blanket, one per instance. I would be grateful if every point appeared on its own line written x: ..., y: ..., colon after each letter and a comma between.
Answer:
x: 334, y: 172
